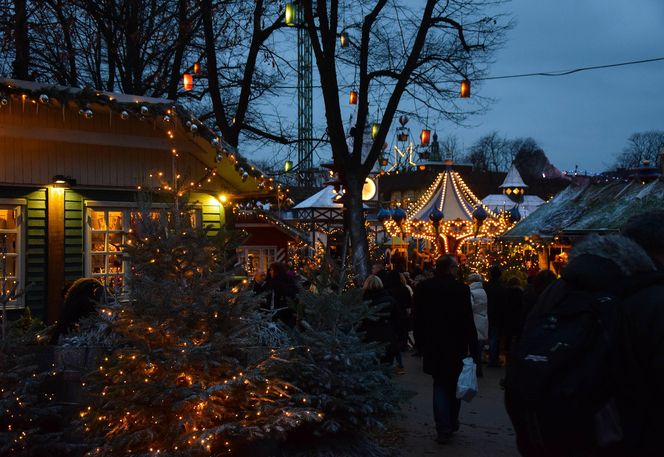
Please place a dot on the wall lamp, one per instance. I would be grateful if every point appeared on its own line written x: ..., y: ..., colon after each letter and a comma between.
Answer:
x: 63, y: 181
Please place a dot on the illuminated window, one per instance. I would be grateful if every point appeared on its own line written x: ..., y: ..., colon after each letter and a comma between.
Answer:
x: 256, y: 258
x: 11, y: 252
x: 106, y: 236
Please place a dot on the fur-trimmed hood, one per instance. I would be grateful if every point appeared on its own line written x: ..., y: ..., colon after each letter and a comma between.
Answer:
x: 598, y: 262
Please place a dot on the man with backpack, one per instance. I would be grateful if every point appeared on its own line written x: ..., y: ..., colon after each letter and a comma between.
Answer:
x: 562, y: 388
x: 640, y: 391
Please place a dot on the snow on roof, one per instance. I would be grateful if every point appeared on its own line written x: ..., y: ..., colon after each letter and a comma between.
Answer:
x: 591, y: 207
x: 321, y: 199
x: 513, y: 179
x: 502, y: 202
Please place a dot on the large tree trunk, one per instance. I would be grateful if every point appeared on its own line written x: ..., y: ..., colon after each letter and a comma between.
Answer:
x: 354, y: 224
x: 21, y: 41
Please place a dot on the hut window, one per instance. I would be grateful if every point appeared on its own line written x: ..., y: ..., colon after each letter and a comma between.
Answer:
x: 106, y: 234
x: 11, y: 250
x: 256, y: 259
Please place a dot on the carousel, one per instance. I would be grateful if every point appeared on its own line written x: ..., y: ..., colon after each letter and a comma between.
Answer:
x: 446, y: 217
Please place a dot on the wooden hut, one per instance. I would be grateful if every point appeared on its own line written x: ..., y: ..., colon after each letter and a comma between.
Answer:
x: 71, y: 161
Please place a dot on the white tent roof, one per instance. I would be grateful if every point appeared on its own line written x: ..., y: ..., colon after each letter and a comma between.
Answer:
x: 513, y: 179
x: 502, y: 202
x: 321, y: 199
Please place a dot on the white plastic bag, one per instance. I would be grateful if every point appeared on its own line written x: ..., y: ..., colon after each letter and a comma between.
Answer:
x: 467, y: 384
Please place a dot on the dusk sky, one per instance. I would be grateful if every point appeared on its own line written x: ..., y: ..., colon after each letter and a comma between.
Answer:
x: 583, y: 119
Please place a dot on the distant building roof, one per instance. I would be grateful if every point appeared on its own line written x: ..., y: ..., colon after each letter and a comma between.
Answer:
x: 513, y: 179
x: 591, y: 207
x: 526, y: 207
x: 324, y: 198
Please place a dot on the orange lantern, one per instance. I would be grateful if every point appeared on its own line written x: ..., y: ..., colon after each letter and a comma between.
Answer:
x: 352, y: 99
x: 188, y: 81
x: 343, y: 38
x: 197, y: 68
x: 425, y: 136
x: 465, y: 88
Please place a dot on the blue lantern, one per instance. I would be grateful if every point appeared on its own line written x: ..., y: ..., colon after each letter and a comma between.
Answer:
x: 383, y: 214
x: 480, y: 214
x: 436, y: 216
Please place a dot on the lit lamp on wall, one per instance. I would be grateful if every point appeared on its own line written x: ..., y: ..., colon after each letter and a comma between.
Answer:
x: 63, y: 181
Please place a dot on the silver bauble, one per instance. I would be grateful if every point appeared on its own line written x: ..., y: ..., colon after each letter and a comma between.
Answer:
x: 403, y: 120
x: 124, y: 115
x: 167, y: 118
x: 4, y: 101
x: 88, y: 114
x: 144, y: 110
x: 43, y: 99
x: 218, y: 157
x: 193, y: 128
x: 215, y: 142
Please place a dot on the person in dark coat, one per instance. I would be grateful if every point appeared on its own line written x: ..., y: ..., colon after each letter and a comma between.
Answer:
x: 80, y: 301
x: 511, y: 316
x: 384, y: 329
x: 607, y: 264
x: 446, y: 335
x: 282, y: 292
x: 495, y: 293
x: 640, y: 395
x: 395, y: 287
x: 532, y: 293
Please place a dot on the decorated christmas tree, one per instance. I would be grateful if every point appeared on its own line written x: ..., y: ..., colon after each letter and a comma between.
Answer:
x: 186, y: 377
x: 338, y: 373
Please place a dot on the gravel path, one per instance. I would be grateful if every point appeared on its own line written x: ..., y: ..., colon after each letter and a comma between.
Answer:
x: 485, y: 426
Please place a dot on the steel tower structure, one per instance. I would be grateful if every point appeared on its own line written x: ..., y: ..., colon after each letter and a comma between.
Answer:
x: 304, y: 105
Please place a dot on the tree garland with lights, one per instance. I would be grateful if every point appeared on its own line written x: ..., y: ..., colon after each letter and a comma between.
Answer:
x: 186, y: 379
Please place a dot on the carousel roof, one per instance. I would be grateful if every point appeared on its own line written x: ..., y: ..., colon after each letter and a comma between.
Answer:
x: 450, y: 195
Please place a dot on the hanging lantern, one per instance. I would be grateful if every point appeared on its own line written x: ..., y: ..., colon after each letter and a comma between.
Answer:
x: 398, y: 214
x: 465, y: 88
x: 375, y: 127
x: 425, y: 136
x: 197, y: 68
x: 383, y: 214
x: 288, y: 165
x: 402, y: 134
x: 435, y: 216
x: 188, y: 81
x: 480, y: 214
x: 290, y: 15
x: 343, y: 38
x: 382, y: 161
x: 352, y: 99
x: 421, y: 167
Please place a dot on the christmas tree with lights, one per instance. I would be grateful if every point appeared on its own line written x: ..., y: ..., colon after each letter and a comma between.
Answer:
x: 186, y: 377
x: 337, y: 371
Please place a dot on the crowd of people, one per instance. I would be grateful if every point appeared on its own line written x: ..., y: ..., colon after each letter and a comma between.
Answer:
x: 499, y: 321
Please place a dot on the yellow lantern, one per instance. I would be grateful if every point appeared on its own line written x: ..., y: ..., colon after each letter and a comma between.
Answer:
x: 375, y: 127
x: 352, y: 99
x: 288, y: 166
x: 290, y: 16
x: 465, y: 88
x: 343, y: 38
x: 188, y: 81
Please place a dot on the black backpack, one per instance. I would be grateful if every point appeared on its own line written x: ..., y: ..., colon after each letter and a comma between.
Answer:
x: 559, y: 384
